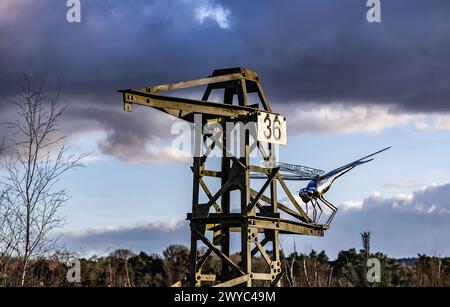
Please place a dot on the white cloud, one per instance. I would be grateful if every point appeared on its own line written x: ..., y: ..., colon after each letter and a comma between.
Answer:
x: 406, y: 184
x: 370, y: 118
x: 434, y: 122
x: 430, y: 199
x: 10, y: 9
x: 351, y: 205
x: 442, y: 122
x: 209, y: 10
x: 345, y: 119
x: 147, y: 154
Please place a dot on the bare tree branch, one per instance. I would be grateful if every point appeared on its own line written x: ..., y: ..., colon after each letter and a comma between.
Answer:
x: 36, y: 160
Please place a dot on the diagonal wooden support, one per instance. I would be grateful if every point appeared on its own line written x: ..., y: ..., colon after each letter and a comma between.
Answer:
x: 263, y: 253
x: 277, y: 279
x: 222, y: 190
x: 259, y: 206
x: 262, y: 97
x: 293, y: 200
x: 208, y: 193
x: 229, y: 154
x: 235, y: 160
x: 280, y: 206
x: 262, y: 243
x: 207, y: 153
x: 202, y: 260
x: 233, y: 179
x: 263, y: 151
x: 271, y: 176
x: 217, y: 251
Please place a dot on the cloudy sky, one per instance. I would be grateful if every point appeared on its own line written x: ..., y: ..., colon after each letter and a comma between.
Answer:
x: 349, y: 87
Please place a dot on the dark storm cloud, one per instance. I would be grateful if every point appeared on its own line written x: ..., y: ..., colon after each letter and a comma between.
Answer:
x: 305, y: 51
x: 126, y: 135
x: 324, y: 51
x: 318, y: 51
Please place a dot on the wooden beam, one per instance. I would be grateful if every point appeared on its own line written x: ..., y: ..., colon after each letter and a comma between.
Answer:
x: 259, y: 169
x: 196, y: 106
x: 242, y: 92
x: 286, y: 226
x: 208, y: 173
x: 235, y: 281
x: 192, y: 83
x: 207, y: 277
x: 262, y: 276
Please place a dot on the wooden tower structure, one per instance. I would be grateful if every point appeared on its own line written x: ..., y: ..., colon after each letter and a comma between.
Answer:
x: 257, y: 217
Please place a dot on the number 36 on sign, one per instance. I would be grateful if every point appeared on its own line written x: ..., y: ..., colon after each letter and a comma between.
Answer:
x: 272, y: 128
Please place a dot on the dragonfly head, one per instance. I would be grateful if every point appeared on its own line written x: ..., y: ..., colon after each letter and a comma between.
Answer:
x: 306, y: 195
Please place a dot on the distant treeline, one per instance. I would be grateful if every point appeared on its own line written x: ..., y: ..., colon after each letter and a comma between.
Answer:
x: 123, y: 268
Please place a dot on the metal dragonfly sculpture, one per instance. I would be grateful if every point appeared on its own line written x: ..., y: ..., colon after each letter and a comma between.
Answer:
x: 320, y: 182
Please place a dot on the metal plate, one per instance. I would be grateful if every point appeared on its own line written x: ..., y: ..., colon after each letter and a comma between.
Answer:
x: 272, y: 128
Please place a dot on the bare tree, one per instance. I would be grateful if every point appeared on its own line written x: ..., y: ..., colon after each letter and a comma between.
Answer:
x: 5, y: 239
x: 6, y: 224
x: 365, y: 237
x: 289, y: 267
x: 305, y: 271
x: 35, y: 162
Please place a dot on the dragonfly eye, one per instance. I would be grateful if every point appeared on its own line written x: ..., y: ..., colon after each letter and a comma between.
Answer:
x: 305, y: 195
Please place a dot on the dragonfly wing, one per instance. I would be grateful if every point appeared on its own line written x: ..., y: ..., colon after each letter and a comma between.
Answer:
x: 285, y: 177
x: 299, y: 169
x: 343, y: 169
